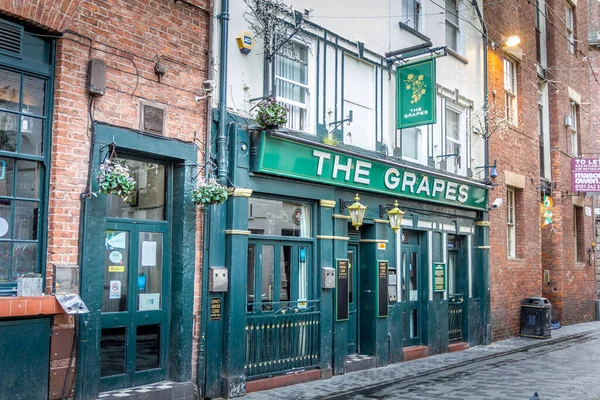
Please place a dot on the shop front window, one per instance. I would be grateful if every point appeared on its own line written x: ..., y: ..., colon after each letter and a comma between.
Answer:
x: 278, y: 218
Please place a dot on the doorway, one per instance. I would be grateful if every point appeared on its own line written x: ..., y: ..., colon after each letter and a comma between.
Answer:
x: 457, y: 289
x: 136, y: 283
x: 353, y: 338
x: 410, y: 294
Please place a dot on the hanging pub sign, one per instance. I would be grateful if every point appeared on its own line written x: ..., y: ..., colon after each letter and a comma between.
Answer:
x: 415, y: 94
x: 585, y: 174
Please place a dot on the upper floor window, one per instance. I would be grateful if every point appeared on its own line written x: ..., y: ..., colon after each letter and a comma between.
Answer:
x: 573, y: 113
x: 452, y: 25
x: 510, y: 90
x: 292, y: 85
x: 511, y: 243
x: 411, y: 14
x: 540, y: 32
x: 411, y: 143
x: 454, y: 141
x: 570, y: 22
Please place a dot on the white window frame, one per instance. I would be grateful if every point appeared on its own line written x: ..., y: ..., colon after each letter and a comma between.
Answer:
x: 510, y: 90
x: 453, y: 25
x: 308, y: 105
x: 420, y: 148
x: 511, y: 225
x: 570, y: 24
x: 573, y: 111
x: 541, y: 26
x: 415, y: 15
x: 451, y: 162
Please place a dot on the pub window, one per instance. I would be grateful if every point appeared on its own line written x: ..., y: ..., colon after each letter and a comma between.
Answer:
x: 510, y: 90
x: 292, y: 85
x: 24, y: 130
x: 411, y: 14
x: 278, y: 218
x: 511, y: 246
x: 454, y: 141
x: 452, y: 25
x: 570, y: 23
x: 574, y: 113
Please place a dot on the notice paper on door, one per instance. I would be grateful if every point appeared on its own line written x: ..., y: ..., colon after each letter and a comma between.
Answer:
x: 149, y: 254
x: 149, y: 301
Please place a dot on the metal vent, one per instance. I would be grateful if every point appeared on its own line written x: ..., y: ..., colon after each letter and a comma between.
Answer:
x: 353, y: 234
x: 11, y: 38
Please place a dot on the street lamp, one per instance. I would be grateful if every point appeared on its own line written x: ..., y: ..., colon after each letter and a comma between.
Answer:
x: 357, y: 212
x: 395, y: 215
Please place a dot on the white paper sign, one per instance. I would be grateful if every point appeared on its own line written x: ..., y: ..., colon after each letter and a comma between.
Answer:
x: 114, y: 290
x: 148, y: 254
x: 588, y: 211
x: 149, y: 301
x: 117, y: 241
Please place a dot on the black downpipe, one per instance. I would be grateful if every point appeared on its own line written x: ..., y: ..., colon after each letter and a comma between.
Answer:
x: 485, y: 90
x: 223, y: 166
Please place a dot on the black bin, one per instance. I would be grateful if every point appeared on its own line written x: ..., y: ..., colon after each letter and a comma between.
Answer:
x: 536, y: 315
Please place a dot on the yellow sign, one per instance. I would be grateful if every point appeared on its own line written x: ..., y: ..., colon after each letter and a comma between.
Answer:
x: 116, y: 268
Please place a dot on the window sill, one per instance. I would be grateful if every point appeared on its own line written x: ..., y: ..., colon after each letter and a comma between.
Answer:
x: 29, y: 306
x: 514, y: 259
x: 457, y: 56
x: 415, y: 32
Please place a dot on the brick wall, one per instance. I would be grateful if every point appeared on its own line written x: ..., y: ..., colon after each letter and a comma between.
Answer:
x: 571, y: 289
x: 129, y: 36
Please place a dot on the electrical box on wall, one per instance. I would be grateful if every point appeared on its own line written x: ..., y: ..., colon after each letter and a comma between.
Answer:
x: 96, y: 79
x: 327, y: 278
x: 392, y: 285
x: 218, y: 279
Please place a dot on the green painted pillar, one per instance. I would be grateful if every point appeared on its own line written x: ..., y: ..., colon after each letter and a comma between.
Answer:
x: 481, y: 261
x: 340, y: 340
x: 325, y: 246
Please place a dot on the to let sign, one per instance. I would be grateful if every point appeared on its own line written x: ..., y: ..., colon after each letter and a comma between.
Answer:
x: 585, y: 174
x: 415, y: 91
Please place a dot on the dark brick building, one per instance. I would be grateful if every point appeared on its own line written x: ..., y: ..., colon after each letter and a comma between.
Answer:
x: 542, y: 86
x: 142, y: 332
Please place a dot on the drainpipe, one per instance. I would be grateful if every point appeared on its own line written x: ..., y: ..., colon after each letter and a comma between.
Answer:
x: 485, y: 89
x: 223, y: 166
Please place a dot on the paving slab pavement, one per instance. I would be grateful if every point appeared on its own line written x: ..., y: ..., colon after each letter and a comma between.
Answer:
x: 417, y: 368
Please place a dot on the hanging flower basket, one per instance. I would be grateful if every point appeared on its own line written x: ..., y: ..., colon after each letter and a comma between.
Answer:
x: 270, y: 114
x: 208, y: 192
x: 114, y: 178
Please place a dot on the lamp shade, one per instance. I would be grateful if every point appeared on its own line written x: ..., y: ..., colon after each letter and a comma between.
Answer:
x: 357, y: 212
x: 395, y: 215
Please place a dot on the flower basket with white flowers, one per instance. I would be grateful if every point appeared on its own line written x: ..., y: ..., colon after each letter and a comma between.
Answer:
x: 114, y: 178
x: 270, y: 114
x: 208, y: 192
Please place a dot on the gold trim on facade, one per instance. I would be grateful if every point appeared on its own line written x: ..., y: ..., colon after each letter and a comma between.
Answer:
x: 381, y: 221
x: 483, y: 247
x: 240, y: 192
x: 237, y: 232
x: 327, y: 203
x: 327, y: 237
x: 483, y: 223
x: 374, y: 241
x: 340, y: 216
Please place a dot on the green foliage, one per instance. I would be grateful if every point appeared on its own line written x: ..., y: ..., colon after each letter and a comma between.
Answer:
x: 330, y: 140
x: 113, y: 178
x: 270, y: 114
x: 209, y: 192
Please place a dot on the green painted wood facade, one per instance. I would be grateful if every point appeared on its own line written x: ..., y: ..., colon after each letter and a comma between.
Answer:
x: 221, y: 365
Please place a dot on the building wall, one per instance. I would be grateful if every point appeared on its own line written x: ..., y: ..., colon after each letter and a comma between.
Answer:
x: 571, y: 286
x: 130, y: 37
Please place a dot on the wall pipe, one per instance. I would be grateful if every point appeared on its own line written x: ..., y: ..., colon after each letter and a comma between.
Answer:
x: 485, y: 90
x: 222, y: 169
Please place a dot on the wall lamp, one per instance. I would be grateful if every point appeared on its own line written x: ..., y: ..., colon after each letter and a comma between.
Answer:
x: 395, y: 215
x: 356, y: 210
x: 510, y: 41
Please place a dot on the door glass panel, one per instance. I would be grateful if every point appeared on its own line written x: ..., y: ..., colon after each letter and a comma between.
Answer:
x: 148, y: 200
x: 10, y: 90
x: 150, y: 270
x: 8, y: 132
x: 267, y: 259
x: 147, y: 347
x: 116, y: 263
x: 451, y: 273
x: 250, y: 279
x: 285, y: 263
x: 112, y: 351
x: 303, y: 274
x: 414, y: 324
x: 403, y: 279
x: 350, y: 276
x: 412, y: 277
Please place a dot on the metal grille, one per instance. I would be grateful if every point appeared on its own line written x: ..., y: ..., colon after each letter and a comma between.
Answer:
x: 455, y: 320
x: 281, y: 337
x: 10, y: 38
x: 353, y: 234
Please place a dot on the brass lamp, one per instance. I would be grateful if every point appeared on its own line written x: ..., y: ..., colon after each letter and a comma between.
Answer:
x: 395, y: 216
x: 357, y: 212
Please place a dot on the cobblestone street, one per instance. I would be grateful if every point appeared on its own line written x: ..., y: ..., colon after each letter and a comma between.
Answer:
x: 568, y: 367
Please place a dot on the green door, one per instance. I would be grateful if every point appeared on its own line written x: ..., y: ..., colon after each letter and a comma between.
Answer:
x: 133, y: 342
x: 353, y: 317
x: 410, y: 294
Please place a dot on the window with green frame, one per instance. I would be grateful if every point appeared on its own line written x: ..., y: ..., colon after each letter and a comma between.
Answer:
x: 25, y: 110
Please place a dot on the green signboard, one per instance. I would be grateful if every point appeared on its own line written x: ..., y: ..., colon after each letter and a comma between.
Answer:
x: 415, y: 94
x: 284, y: 157
x: 439, y: 277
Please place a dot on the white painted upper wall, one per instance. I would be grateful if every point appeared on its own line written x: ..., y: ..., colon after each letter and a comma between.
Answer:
x: 363, y: 87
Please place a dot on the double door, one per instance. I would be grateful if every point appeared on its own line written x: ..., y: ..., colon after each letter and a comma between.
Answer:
x: 134, y: 317
x: 353, y: 309
x: 410, y: 294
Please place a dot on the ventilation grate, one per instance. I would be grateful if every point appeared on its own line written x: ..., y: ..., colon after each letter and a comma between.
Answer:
x: 353, y: 234
x: 11, y: 38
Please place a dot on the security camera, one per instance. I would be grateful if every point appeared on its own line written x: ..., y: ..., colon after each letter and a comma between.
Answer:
x: 208, y: 86
x: 496, y: 204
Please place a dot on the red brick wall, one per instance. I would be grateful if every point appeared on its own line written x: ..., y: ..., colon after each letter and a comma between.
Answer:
x: 128, y: 36
x: 517, y: 151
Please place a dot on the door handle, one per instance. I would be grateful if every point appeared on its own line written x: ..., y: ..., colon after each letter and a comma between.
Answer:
x: 146, y: 316
x: 116, y: 319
